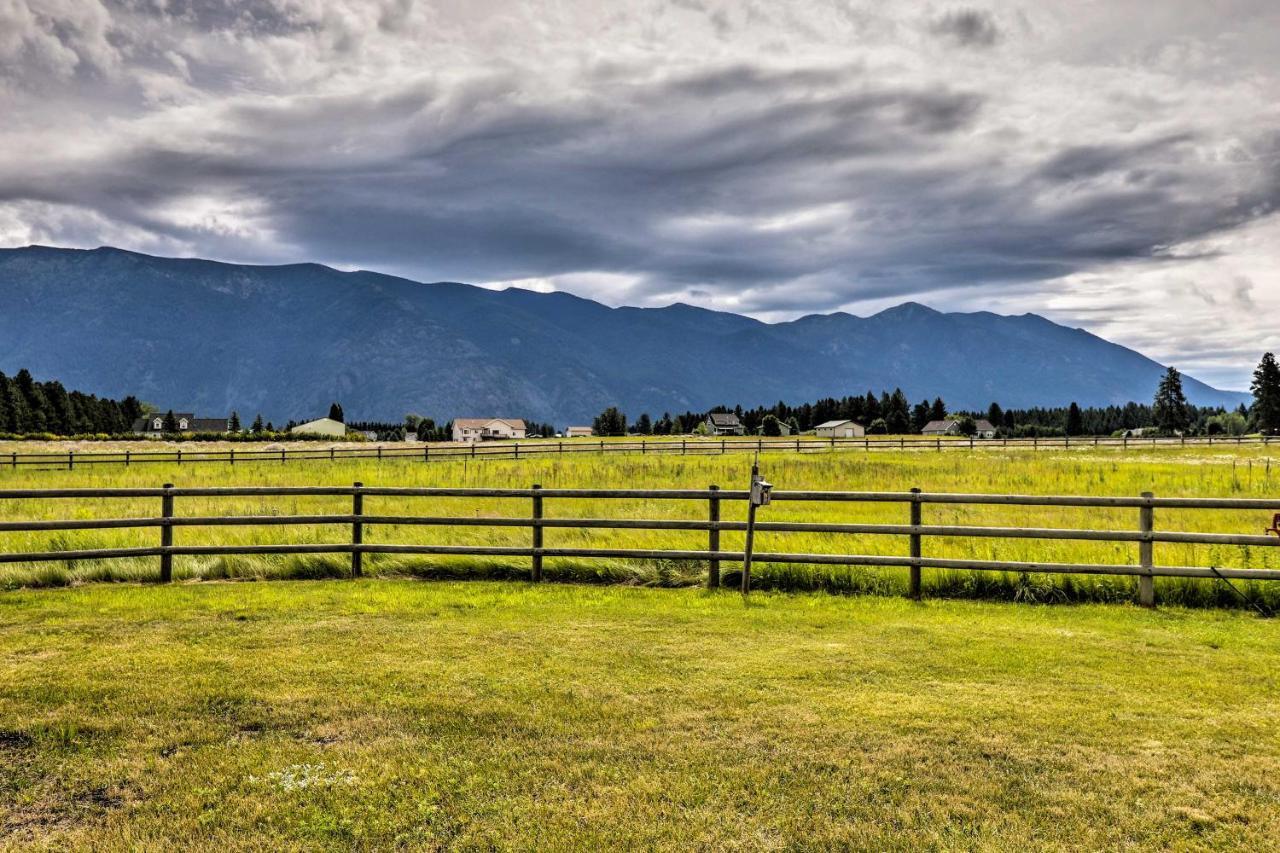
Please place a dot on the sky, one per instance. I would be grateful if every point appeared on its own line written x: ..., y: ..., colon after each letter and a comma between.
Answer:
x: 1109, y: 164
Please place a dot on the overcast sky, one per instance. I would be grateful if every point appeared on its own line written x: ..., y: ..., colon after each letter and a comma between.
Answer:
x: 1113, y: 165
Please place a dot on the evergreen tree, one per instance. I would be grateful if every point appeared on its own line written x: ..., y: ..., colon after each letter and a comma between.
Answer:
x: 644, y: 425
x: 770, y: 426
x: 335, y: 413
x: 233, y: 423
x: 995, y: 414
x: 170, y: 422
x: 897, y: 413
x: 610, y: 422
x: 1075, y: 420
x: 939, y: 412
x: 920, y: 416
x: 257, y: 423
x: 1169, y: 409
x: 1266, y: 395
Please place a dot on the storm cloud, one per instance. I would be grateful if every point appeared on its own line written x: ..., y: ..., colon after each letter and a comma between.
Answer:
x: 772, y: 159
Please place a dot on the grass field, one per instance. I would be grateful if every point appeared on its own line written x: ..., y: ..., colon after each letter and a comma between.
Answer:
x: 1226, y: 472
x: 373, y: 714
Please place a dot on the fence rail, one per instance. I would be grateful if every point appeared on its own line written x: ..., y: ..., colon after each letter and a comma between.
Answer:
x: 916, y: 532
x: 68, y: 460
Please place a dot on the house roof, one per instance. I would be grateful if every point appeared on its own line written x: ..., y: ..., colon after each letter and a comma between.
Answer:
x: 723, y: 419
x: 194, y: 424
x: 318, y: 422
x: 473, y: 423
x: 834, y: 424
x: 982, y: 425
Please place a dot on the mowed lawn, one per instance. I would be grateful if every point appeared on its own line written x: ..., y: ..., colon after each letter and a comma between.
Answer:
x: 381, y: 713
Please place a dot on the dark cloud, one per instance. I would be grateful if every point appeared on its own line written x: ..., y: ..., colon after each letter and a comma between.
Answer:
x: 967, y: 27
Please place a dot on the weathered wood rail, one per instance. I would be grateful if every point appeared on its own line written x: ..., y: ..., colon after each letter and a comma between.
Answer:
x: 1145, y: 534
x: 70, y: 459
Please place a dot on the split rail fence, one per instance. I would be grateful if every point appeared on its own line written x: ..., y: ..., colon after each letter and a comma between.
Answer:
x: 70, y: 459
x: 915, y: 533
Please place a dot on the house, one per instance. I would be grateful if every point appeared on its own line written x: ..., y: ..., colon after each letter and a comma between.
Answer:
x: 951, y: 426
x: 840, y: 429
x: 578, y: 432
x: 321, y: 426
x: 724, y: 423
x: 153, y: 424
x: 487, y: 429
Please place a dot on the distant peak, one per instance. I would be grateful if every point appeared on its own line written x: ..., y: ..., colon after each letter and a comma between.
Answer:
x: 908, y: 309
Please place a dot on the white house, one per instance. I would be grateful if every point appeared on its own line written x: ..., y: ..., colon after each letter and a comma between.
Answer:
x: 951, y: 426
x: 322, y: 426
x: 724, y: 423
x: 840, y: 429
x: 487, y: 429
x: 578, y: 432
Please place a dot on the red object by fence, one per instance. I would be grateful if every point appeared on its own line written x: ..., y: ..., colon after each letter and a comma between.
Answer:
x: 1275, y: 525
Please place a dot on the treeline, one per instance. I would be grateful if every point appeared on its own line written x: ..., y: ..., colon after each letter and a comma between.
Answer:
x: 888, y: 412
x: 31, y: 407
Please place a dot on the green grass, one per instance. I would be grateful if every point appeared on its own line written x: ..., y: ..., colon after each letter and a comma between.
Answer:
x: 501, y: 715
x: 1226, y: 471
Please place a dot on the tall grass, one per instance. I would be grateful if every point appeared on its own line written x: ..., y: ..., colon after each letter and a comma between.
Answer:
x: 1226, y: 472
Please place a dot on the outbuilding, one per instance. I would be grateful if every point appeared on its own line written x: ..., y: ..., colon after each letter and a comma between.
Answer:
x: 321, y: 426
x: 840, y: 429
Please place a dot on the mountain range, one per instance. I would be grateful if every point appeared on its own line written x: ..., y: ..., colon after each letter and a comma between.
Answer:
x: 285, y: 341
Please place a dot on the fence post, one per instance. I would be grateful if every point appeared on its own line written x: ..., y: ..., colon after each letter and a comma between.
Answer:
x: 71, y: 460
x: 166, y: 534
x: 233, y: 456
x: 748, y: 550
x: 357, y: 529
x: 515, y: 450
x: 537, y: 534
x: 126, y: 459
x: 179, y: 457
x: 713, y: 538
x: 1146, y: 583
x: 915, y: 545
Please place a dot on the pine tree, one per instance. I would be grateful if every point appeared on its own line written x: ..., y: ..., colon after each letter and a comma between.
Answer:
x: 170, y: 422
x: 1169, y: 409
x: 939, y: 412
x: 233, y: 423
x: 920, y: 416
x: 1075, y: 421
x: 335, y: 413
x: 644, y: 425
x: 1266, y: 395
x: 995, y: 414
x: 257, y: 423
x: 610, y: 422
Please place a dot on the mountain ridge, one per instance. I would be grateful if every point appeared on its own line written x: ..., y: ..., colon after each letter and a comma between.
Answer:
x: 287, y: 339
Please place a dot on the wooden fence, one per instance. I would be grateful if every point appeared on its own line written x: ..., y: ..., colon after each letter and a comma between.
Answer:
x: 1143, y: 535
x: 70, y: 459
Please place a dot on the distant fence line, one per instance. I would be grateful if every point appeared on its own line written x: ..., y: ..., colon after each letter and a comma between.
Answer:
x: 68, y: 460
x: 1144, y: 535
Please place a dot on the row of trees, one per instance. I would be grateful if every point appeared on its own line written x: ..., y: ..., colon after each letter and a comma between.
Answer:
x: 28, y: 407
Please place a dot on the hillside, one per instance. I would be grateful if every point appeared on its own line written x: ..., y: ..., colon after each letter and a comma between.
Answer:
x: 286, y: 340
